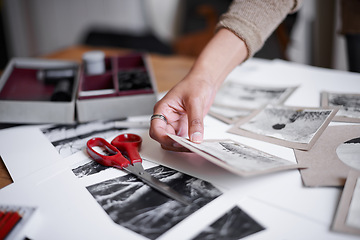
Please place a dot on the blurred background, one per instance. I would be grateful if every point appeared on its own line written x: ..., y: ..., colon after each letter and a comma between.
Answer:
x: 32, y: 28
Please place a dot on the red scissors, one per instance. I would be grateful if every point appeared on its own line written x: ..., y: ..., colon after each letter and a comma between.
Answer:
x: 129, y: 143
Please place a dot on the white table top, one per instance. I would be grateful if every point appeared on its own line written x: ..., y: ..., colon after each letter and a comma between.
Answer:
x: 278, y: 201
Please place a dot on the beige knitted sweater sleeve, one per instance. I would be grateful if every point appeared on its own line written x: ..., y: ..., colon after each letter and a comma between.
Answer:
x: 254, y: 20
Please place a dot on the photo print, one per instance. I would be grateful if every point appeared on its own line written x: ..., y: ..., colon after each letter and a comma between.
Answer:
x: 237, y: 158
x: 136, y: 206
x: 235, y: 100
x: 69, y: 139
x: 349, y: 105
x: 239, y: 95
x: 333, y: 156
x: 347, y: 217
x: 294, y: 127
x: 88, y: 169
x: 235, y: 224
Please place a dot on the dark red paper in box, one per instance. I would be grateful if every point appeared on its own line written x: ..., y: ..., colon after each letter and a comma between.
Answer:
x: 109, y: 80
x: 22, y: 84
x: 130, y: 61
x: 98, y: 82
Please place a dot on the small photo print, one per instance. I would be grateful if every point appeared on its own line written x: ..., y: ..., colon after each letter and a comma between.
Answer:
x: 134, y: 205
x: 349, y: 105
x: 88, y: 169
x: 235, y: 157
x: 235, y: 224
x: 237, y: 95
x: 70, y: 139
x: 294, y: 127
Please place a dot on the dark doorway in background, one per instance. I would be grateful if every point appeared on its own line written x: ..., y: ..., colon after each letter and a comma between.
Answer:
x: 4, y: 58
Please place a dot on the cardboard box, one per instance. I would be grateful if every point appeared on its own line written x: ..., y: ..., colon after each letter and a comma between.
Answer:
x: 126, y: 88
x: 25, y: 98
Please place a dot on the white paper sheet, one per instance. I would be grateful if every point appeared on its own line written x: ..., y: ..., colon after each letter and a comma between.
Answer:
x: 25, y: 150
x: 283, y: 224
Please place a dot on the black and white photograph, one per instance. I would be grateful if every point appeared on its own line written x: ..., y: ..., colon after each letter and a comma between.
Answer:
x: 349, y: 105
x: 136, y: 206
x: 349, y: 152
x: 295, y: 127
x: 238, y: 95
x: 69, y: 139
x: 88, y: 169
x: 237, y: 158
x: 235, y: 224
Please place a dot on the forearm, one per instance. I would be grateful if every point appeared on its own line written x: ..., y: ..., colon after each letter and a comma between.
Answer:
x: 186, y: 104
x: 219, y: 57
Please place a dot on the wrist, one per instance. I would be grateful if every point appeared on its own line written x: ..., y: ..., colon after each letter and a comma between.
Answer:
x: 220, y: 56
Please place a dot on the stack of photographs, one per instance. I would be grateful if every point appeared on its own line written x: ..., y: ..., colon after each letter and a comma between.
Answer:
x: 237, y: 158
x: 325, y: 154
x: 235, y: 101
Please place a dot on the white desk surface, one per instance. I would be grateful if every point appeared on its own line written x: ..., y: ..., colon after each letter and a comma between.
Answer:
x: 278, y: 201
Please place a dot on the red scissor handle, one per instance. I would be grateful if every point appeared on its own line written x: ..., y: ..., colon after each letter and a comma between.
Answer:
x: 115, y: 159
x: 131, y: 144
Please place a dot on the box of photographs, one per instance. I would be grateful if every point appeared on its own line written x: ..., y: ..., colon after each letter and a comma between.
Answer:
x: 124, y: 88
x: 38, y: 91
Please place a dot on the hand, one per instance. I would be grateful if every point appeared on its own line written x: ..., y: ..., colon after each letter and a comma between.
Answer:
x: 184, y: 107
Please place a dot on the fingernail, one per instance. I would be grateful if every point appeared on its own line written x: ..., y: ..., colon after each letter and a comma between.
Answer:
x: 177, y: 145
x: 196, y: 137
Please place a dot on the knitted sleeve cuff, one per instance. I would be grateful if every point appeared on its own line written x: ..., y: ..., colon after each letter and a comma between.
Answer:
x: 254, y: 20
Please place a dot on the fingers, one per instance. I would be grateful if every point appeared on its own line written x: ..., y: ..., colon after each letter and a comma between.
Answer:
x: 195, y: 119
x: 159, y: 129
x: 183, y: 108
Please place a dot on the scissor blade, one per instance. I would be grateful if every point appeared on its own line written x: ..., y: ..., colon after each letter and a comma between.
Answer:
x: 138, y: 170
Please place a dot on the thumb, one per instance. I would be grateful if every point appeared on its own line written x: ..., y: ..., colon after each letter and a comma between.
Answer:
x: 196, y: 123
